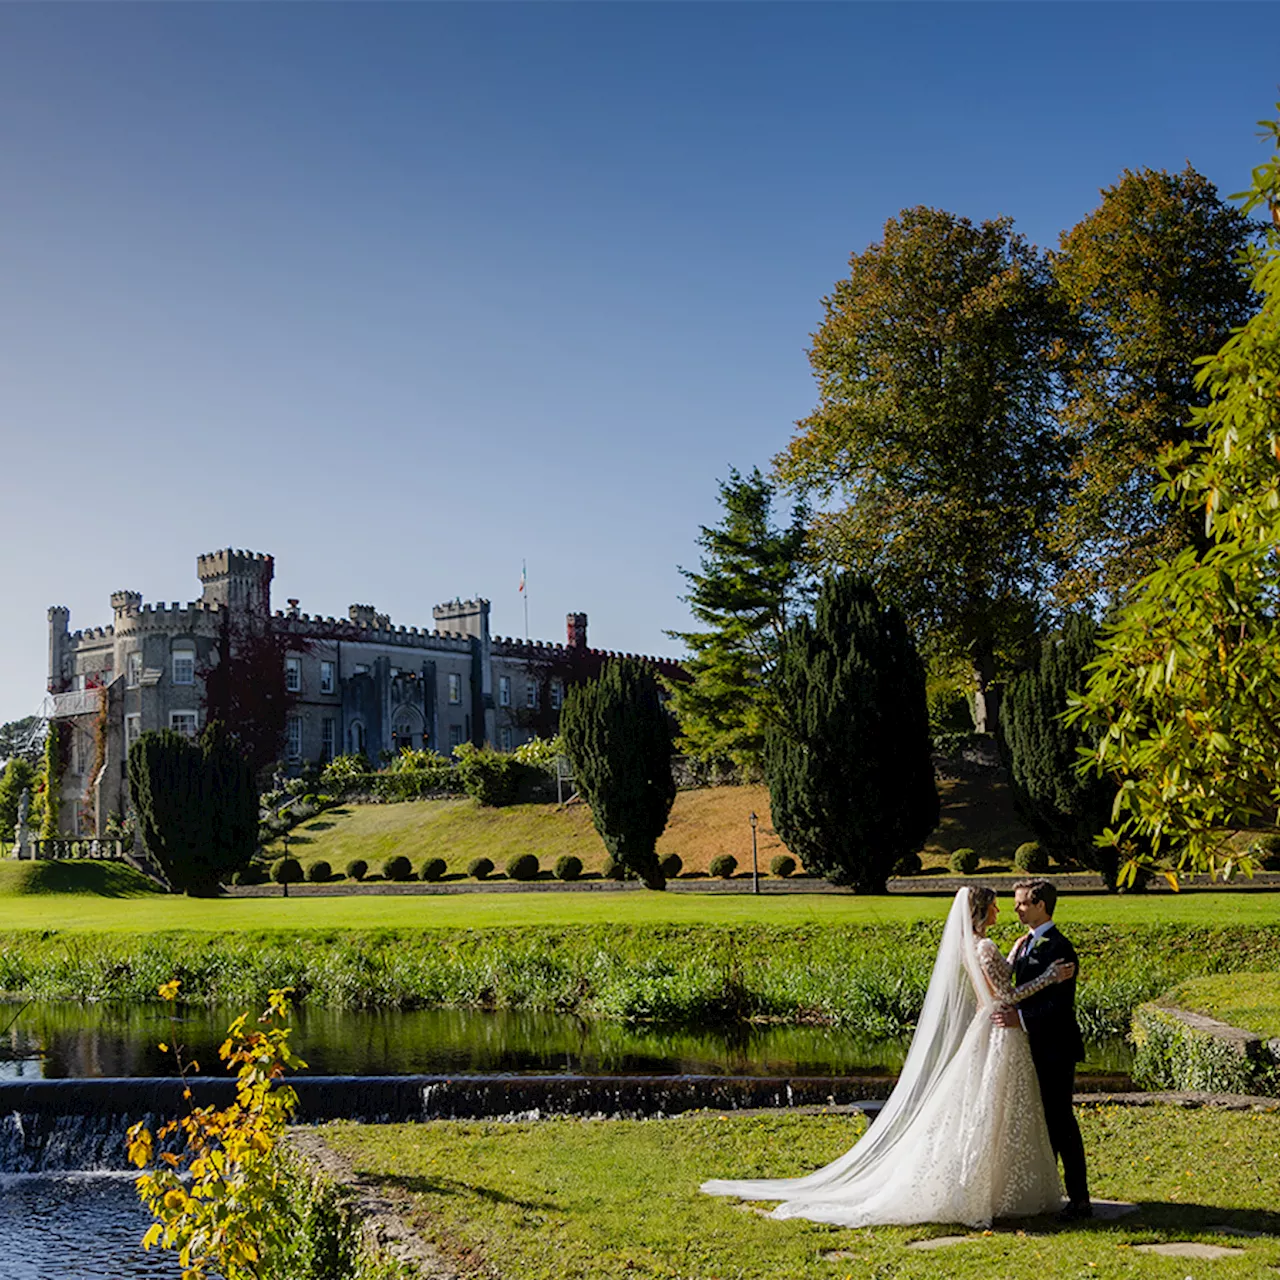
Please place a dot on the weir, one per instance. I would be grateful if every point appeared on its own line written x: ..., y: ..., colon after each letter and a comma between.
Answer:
x: 64, y: 1125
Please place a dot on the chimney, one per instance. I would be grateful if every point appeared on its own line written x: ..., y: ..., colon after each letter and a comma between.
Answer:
x: 576, y: 628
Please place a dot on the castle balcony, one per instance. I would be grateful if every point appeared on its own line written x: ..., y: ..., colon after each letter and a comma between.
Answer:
x: 79, y: 702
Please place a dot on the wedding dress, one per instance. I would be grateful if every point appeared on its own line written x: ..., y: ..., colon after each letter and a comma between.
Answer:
x: 962, y: 1137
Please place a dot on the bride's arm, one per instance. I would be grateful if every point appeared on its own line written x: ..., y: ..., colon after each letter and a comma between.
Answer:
x: 999, y: 973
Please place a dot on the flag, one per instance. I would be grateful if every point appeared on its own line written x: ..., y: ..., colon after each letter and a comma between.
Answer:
x: 522, y: 578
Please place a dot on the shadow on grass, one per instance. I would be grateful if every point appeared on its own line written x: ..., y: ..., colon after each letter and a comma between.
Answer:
x: 424, y: 1186
x: 320, y: 826
x: 1160, y: 1219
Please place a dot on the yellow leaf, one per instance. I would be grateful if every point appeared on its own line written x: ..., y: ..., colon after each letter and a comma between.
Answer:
x: 1172, y: 878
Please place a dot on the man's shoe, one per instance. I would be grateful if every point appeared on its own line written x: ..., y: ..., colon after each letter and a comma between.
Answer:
x: 1075, y: 1211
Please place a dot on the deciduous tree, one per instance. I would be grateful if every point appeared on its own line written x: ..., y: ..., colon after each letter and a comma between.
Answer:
x: 934, y: 448
x: 850, y: 772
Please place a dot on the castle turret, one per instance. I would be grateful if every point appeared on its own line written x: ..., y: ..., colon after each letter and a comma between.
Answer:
x: 59, y: 625
x: 471, y: 617
x: 125, y: 602
x: 576, y: 630
x: 239, y: 580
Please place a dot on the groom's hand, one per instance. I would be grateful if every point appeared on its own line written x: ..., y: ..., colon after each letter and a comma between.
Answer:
x: 1006, y: 1016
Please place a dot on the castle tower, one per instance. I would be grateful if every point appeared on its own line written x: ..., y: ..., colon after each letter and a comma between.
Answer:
x: 576, y: 630
x: 239, y: 580
x: 59, y: 625
x: 471, y: 617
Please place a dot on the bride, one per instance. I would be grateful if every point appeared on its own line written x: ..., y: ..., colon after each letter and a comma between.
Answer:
x: 962, y: 1137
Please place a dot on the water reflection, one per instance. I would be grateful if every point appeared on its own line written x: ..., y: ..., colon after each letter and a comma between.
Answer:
x: 59, y: 1041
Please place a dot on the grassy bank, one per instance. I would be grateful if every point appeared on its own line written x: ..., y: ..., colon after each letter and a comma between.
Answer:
x: 1248, y: 1000
x: 867, y: 977
x: 585, y: 1200
x: 713, y: 820
x: 99, y: 879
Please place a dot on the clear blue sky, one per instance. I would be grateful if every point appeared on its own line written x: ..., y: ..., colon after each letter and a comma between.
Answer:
x: 404, y: 294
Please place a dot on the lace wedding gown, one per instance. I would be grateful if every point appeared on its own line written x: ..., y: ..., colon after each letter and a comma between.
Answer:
x: 962, y: 1137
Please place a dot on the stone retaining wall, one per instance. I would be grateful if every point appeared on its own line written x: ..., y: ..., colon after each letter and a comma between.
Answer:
x: 1178, y: 1049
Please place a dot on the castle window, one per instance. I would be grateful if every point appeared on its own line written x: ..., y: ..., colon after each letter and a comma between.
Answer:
x: 455, y: 691
x: 557, y: 694
x: 184, y: 666
x: 326, y: 740
x: 531, y: 694
x: 326, y: 677
x: 132, y: 730
x: 295, y: 738
x: 133, y: 670
x: 184, y: 722
x: 504, y: 691
x: 504, y: 737
x: 455, y: 735
x: 293, y: 676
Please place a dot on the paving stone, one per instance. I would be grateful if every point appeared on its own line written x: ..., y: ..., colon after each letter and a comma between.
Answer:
x: 1189, y: 1249
x: 1110, y: 1210
x: 941, y: 1242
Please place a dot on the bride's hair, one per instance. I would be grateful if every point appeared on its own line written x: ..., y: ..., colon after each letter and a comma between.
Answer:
x: 980, y: 900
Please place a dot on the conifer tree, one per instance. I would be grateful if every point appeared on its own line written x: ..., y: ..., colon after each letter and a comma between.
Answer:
x: 850, y: 772
x: 750, y: 580
x: 1065, y: 810
x: 233, y: 798
x: 167, y: 788
x: 617, y: 735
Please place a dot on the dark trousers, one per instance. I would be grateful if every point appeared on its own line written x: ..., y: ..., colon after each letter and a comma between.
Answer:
x: 1057, y: 1076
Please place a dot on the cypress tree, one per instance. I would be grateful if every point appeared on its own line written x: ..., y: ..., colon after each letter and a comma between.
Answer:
x: 233, y: 797
x: 617, y: 736
x: 1064, y: 809
x: 168, y: 786
x: 53, y: 764
x: 850, y: 774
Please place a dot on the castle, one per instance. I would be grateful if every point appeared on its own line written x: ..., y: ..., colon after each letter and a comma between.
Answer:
x: 355, y: 685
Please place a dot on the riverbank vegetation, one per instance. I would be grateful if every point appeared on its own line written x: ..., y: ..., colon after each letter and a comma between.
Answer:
x: 870, y: 978
x: 556, y: 1200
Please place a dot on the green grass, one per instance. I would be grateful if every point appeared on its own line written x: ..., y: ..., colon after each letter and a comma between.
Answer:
x: 105, y: 879
x: 586, y: 1200
x: 1248, y: 1000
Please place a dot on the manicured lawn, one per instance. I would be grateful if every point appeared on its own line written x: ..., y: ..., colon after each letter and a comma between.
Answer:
x: 106, y: 879
x: 629, y: 906
x: 586, y: 1200
x: 1249, y: 1000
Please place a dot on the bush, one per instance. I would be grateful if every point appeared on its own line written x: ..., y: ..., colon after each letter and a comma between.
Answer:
x: 568, y: 867
x: 320, y: 872
x: 964, y: 862
x: 433, y: 869
x: 357, y: 868
x: 397, y: 868
x: 614, y: 869
x: 909, y: 864
x: 782, y: 864
x: 524, y: 866
x: 671, y: 865
x: 480, y: 868
x: 723, y: 865
x: 1266, y: 851
x: 287, y: 871
x: 1031, y: 858
x: 491, y: 778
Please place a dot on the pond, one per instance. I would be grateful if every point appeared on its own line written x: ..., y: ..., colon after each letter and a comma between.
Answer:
x: 61, y: 1041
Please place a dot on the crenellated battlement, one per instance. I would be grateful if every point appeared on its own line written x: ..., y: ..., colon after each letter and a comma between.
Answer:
x: 222, y: 564
x: 196, y: 616
x: 315, y: 627
x: 90, y: 637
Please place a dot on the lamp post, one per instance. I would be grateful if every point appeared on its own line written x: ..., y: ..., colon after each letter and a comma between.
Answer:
x: 755, y: 861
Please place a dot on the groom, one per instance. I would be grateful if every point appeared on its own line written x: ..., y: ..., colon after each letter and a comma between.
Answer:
x: 1049, y: 1017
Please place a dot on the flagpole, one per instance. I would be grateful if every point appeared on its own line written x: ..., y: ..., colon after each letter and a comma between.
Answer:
x: 524, y: 591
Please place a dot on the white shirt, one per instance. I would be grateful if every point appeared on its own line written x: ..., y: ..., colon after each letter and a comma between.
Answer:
x: 1027, y: 941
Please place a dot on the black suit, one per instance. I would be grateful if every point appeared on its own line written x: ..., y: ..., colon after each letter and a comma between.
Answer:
x: 1056, y: 1046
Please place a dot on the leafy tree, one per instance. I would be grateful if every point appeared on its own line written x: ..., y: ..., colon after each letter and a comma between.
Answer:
x: 19, y: 776
x: 617, y: 735
x: 1151, y: 278
x: 1185, y: 697
x: 21, y: 738
x: 55, y: 760
x: 934, y: 448
x: 850, y: 774
x: 1064, y: 809
x: 750, y: 580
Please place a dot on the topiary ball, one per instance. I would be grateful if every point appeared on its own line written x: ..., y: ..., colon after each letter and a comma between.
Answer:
x: 782, y: 864
x: 524, y: 866
x: 908, y: 865
x: 433, y: 869
x: 397, y: 868
x: 357, y: 868
x: 480, y: 868
x: 723, y: 865
x: 319, y: 872
x: 964, y: 862
x: 287, y: 871
x: 612, y: 869
x: 671, y: 865
x: 1031, y: 857
x: 568, y: 867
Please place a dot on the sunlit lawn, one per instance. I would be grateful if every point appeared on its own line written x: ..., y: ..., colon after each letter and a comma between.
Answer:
x: 585, y: 1200
x: 1249, y: 1000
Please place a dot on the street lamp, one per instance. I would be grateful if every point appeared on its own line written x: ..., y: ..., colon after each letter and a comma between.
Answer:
x: 755, y: 861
